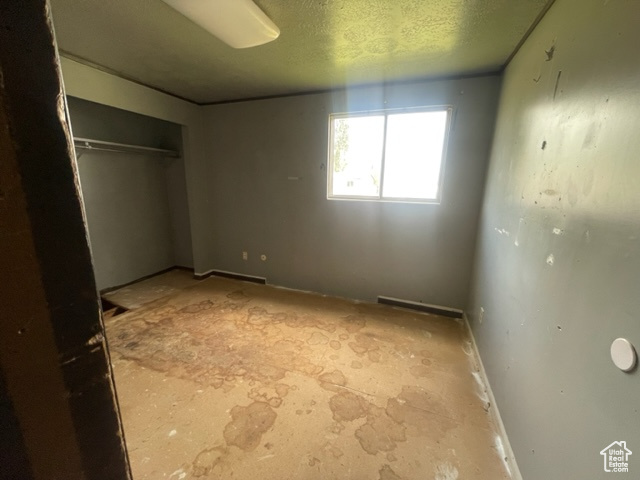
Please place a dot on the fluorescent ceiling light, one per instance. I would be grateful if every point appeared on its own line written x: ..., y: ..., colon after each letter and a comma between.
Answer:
x: 238, y: 23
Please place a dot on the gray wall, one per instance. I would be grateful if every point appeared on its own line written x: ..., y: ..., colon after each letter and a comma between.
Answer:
x: 136, y: 205
x: 179, y: 212
x: 357, y: 249
x: 101, y: 122
x: 558, y: 258
x: 127, y: 208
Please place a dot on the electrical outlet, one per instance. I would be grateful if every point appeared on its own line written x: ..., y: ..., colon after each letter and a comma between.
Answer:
x: 245, y: 255
x: 481, y: 316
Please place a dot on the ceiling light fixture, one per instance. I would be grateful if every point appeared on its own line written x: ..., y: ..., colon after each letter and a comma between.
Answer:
x: 238, y: 23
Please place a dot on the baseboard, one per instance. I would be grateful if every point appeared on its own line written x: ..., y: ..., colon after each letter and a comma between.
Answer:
x: 507, y: 454
x: 231, y: 275
x: 146, y: 277
x: 182, y: 267
x: 202, y: 276
x: 422, y: 307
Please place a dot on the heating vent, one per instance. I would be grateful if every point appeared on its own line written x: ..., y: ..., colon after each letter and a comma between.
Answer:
x: 422, y: 307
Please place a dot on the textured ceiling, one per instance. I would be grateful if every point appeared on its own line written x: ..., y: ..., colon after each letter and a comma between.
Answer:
x: 323, y: 43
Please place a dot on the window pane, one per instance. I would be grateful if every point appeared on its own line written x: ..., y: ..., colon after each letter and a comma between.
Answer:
x: 414, y: 154
x: 357, y: 156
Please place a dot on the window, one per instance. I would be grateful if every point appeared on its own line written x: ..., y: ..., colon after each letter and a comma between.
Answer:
x: 392, y: 155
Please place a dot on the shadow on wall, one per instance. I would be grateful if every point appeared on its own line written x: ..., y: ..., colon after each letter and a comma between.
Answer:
x: 136, y: 204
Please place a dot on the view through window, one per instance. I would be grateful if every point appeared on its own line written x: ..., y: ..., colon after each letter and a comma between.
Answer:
x: 388, y: 155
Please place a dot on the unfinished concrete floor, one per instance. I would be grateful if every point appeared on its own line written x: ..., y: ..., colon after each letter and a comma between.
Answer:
x: 154, y: 288
x: 224, y: 379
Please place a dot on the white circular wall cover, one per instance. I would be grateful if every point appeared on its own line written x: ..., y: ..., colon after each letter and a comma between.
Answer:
x: 623, y: 354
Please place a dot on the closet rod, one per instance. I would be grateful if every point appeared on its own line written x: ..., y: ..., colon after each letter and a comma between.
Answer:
x: 102, y: 146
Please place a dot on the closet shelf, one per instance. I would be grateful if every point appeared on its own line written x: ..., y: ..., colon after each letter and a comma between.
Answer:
x: 88, y: 144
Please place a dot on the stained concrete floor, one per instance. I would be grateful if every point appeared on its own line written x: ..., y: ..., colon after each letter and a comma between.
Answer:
x: 221, y: 379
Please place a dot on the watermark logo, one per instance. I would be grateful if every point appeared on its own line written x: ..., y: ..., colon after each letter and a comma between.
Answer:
x: 616, y: 457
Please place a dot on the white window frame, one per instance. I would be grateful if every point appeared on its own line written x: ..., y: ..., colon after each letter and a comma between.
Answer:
x: 386, y: 112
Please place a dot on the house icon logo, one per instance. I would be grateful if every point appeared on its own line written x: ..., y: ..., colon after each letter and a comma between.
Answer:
x: 616, y: 457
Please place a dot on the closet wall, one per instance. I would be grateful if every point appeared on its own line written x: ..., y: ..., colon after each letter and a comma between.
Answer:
x: 136, y: 205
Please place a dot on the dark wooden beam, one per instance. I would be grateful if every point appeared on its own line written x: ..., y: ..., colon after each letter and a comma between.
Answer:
x: 57, y: 397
